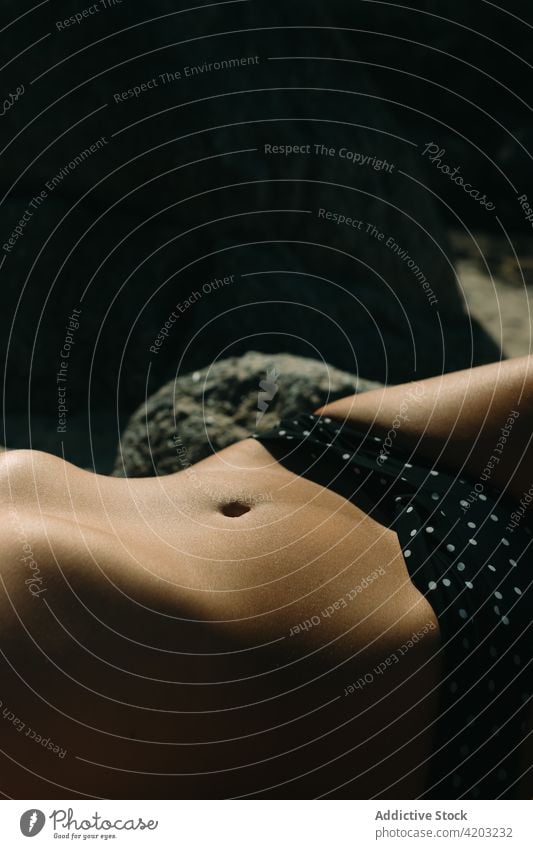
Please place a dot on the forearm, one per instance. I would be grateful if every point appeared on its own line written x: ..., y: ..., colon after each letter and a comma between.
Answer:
x: 456, y: 420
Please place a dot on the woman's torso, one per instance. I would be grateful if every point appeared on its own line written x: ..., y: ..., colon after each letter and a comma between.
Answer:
x: 308, y: 599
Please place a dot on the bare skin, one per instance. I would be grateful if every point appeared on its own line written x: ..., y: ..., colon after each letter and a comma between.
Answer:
x: 157, y: 649
x: 152, y: 577
x: 456, y: 420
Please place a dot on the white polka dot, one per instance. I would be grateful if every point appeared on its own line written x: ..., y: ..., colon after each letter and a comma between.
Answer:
x: 450, y: 547
x: 377, y: 439
x: 345, y: 456
x: 512, y: 562
x: 290, y: 437
x: 496, y: 609
x: 493, y: 517
x: 435, y: 496
x: 469, y: 585
x: 409, y: 510
x: 471, y: 524
x: 432, y: 585
x: 413, y: 532
x: 408, y: 465
x: 407, y: 553
x: 328, y: 421
x: 498, y: 595
x: 463, y: 503
x: 461, y: 567
x: 505, y: 541
x: 505, y: 620
x: 482, y: 497
x: 430, y: 529
x: 491, y: 567
x: 306, y: 433
x: 434, y: 473
x: 446, y: 582
x: 282, y: 432
x: 463, y: 614
x: 472, y: 541
x: 517, y: 590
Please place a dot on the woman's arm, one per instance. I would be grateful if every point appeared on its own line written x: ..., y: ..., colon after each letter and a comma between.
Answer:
x: 479, y: 420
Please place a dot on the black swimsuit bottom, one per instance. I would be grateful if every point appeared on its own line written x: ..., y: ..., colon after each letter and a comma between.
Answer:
x: 472, y: 561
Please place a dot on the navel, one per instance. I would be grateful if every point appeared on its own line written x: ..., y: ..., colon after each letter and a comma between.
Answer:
x: 234, y: 509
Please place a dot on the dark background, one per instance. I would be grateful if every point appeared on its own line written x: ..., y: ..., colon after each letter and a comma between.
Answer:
x: 172, y: 201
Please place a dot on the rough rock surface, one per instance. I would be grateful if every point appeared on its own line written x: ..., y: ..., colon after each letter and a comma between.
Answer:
x: 207, y: 410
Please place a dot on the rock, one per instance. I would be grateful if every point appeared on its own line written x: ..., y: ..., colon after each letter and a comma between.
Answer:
x: 203, y: 412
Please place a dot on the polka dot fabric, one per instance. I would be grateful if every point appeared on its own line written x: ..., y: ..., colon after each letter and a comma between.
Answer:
x: 475, y: 573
